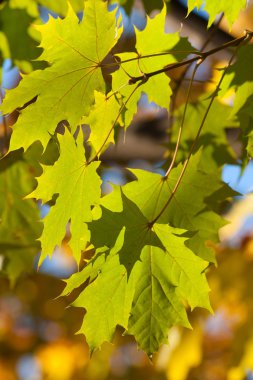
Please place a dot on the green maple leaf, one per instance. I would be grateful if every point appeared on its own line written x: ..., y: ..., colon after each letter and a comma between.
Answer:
x: 231, y: 9
x: 141, y: 279
x: 216, y: 151
x: 149, y: 42
x: 102, y: 119
x: 65, y: 90
x: 239, y: 77
x: 193, y: 213
x: 243, y: 111
x: 109, y: 296
x: 77, y: 187
x: 19, y: 225
x: 166, y: 276
x: 16, y: 20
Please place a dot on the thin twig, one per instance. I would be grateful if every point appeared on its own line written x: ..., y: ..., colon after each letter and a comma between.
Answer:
x: 212, y: 33
x: 5, y: 125
x: 200, y: 55
x: 183, y: 119
x: 178, y: 82
x: 138, y: 57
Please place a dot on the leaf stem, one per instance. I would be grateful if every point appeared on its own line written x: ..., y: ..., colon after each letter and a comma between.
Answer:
x: 183, y: 119
x: 5, y: 127
x: 185, y: 71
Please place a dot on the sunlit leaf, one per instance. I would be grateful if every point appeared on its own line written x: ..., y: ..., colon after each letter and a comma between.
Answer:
x: 154, y: 51
x: 77, y: 188
x: 65, y: 90
x: 149, y: 267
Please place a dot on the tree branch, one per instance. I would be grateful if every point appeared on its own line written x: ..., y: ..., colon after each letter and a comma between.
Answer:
x: 200, y: 55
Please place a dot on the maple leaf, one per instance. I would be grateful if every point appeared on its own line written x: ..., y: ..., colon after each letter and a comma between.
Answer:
x: 151, y: 44
x: 15, y: 20
x: 65, y: 90
x: 214, y: 7
x: 19, y: 225
x: 166, y: 276
x: 150, y: 241
x: 151, y: 191
x: 141, y: 278
x: 110, y: 296
x: 102, y: 118
x: 77, y: 187
x: 213, y: 140
x: 239, y: 78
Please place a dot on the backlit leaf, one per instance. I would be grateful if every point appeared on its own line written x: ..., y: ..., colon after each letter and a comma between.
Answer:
x: 151, y: 44
x: 15, y: 21
x: 150, y: 192
x: 65, y: 90
x: 77, y: 187
x: 19, y: 223
x: 102, y: 118
x: 148, y: 268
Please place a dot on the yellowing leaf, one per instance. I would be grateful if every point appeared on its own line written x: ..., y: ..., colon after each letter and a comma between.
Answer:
x: 189, y: 348
x: 77, y: 187
x: 65, y: 90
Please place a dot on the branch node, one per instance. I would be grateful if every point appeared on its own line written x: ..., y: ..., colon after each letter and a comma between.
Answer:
x: 132, y: 80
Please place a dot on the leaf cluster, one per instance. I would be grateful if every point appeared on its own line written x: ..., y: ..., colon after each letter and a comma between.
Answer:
x: 151, y: 239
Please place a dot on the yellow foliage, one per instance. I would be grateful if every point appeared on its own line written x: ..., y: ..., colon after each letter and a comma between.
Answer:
x: 186, y: 355
x: 61, y: 359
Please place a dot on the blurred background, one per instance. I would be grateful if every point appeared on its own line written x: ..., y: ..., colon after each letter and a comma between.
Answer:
x: 37, y: 329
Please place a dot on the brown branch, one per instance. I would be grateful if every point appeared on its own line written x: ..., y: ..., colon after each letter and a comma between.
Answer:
x: 200, y: 55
